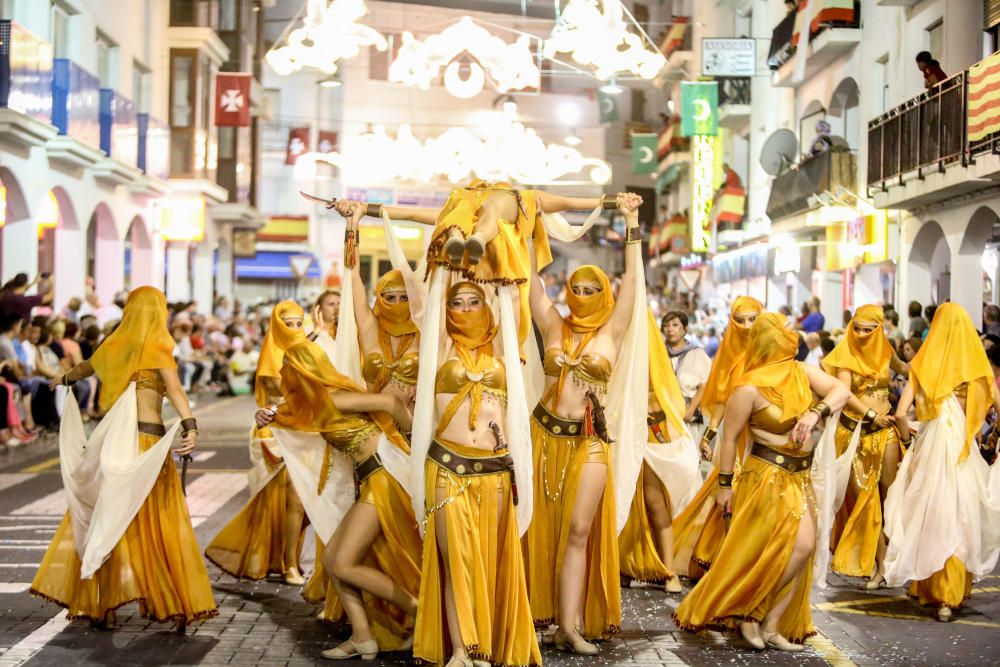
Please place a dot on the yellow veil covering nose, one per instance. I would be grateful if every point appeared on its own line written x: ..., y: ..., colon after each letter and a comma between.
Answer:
x: 589, y: 313
x: 307, y: 378
x: 279, y: 338
x: 771, y: 367
x: 473, y: 332
x: 731, y: 356
x: 952, y: 355
x: 867, y: 355
x: 394, y: 318
x: 662, y: 380
x: 141, y: 342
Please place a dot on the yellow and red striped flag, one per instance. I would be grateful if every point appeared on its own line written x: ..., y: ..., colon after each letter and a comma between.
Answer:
x: 984, y: 98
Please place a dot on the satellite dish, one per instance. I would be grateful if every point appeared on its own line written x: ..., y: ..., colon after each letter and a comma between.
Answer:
x: 779, y: 152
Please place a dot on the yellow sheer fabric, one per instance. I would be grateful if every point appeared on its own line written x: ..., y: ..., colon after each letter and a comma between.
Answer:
x: 141, y: 342
x: 771, y: 366
x: 727, y: 367
x: 279, y: 338
x: 949, y: 586
x: 157, y: 563
x: 486, y: 567
x: 952, y: 355
x: 867, y: 355
x: 662, y: 380
x: 638, y: 555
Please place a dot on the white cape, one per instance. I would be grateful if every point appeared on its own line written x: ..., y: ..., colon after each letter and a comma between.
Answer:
x: 938, y: 508
x: 830, y: 476
x: 676, y: 464
x: 107, y: 479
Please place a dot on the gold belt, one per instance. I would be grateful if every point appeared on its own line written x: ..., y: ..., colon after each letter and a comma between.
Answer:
x: 366, y: 469
x: 782, y: 460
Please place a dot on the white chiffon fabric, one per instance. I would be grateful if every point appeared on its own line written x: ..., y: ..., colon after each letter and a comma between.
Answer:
x: 938, y: 508
x: 107, y: 478
x: 677, y: 466
x: 830, y: 476
x: 260, y: 472
x: 557, y: 227
x: 328, y: 343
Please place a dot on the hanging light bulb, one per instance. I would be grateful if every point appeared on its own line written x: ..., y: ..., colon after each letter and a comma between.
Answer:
x: 329, y: 34
x: 573, y: 139
x: 611, y: 87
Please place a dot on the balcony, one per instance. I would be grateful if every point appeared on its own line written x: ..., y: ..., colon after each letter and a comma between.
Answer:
x: 676, y: 47
x: 734, y: 103
x: 804, y: 187
x: 25, y: 87
x: 940, y: 144
x: 832, y: 32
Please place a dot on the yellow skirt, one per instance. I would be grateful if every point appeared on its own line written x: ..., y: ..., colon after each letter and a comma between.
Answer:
x: 638, y: 552
x: 395, y: 552
x: 858, y: 525
x: 558, y: 463
x: 949, y: 586
x: 157, y: 562
x: 252, y: 544
x: 486, y: 569
x: 743, y: 585
x: 698, y: 530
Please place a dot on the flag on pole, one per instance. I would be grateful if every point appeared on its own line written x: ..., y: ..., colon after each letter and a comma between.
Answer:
x: 232, y: 99
x: 644, y: 154
x: 699, y: 108
x: 607, y: 105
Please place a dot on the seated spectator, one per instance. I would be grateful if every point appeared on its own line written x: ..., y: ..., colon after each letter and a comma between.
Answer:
x: 14, y: 297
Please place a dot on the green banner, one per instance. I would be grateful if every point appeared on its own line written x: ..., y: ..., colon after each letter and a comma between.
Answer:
x: 607, y: 105
x: 644, y: 154
x: 699, y: 108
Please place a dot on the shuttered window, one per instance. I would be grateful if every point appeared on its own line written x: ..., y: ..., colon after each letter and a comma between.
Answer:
x: 991, y: 13
x: 935, y: 35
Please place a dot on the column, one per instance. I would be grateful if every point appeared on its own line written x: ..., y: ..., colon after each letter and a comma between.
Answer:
x: 20, y: 249
x: 224, y: 269
x: 178, y: 286
x: 967, y: 284
x: 202, y: 273
x: 70, y: 266
x: 109, y: 267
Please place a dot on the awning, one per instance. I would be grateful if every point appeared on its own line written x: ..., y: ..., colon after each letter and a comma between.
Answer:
x: 271, y: 264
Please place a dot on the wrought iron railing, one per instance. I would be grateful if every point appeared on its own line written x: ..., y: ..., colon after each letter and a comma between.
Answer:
x: 734, y: 91
x: 784, y: 38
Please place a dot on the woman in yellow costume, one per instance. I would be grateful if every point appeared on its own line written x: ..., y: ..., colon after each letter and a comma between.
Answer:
x: 668, y: 478
x: 473, y: 598
x: 942, y: 514
x: 122, y: 545
x: 761, y: 579
x: 572, y: 543
x: 373, y: 557
x: 861, y: 361
x: 266, y: 536
x: 699, y: 529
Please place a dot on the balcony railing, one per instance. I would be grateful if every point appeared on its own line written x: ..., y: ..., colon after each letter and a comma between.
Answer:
x: 928, y: 131
x: 791, y: 191
x: 785, y: 37
x: 734, y: 91
x: 25, y: 72
x: 119, y: 134
x: 76, y: 96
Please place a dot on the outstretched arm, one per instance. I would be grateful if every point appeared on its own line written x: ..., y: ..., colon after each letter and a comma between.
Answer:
x: 629, y: 204
x: 348, y: 401
x: 424, y: 216
x: 550, y: 203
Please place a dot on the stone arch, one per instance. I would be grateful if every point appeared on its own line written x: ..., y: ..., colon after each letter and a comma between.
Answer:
x: 844, y: 113
x: 138, y: 254
x: 56, y: 207
x: 105, y: 254
x: 812, y: 112
x: 14, y: 237
x: 978, y: 231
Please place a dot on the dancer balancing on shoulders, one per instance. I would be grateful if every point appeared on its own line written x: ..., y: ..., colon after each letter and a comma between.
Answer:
x: 761, y: 580
x: 699, y: 529
x: 668, y: 478
x: 861, y: 361
x: 373, y: 557
x: 942, y: 512
x: 572, y: 542
x: 144, y: 549
x: 473, y: 606
x: 266, y: 536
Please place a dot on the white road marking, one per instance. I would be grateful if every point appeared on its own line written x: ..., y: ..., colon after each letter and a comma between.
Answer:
x: 53, y: 504
x: 9, y: 479
x: 203, y: 455
x: 19, y: 564
x: 29, y: 527
x: 24, y: 650
x: 13, y: 588
x: 207, y: 494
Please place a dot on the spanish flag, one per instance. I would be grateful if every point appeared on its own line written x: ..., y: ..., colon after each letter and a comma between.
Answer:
x: 674, y: 39
x: 984, y: 98
x: 731, y: 206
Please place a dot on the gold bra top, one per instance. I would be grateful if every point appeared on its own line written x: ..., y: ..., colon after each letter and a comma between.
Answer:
x: 769, y: 419
x: 870, y: 386
x: 150, y: 379
x: 350, y: 432
x: 403, y: 370
x: 590, y: 368
x: 452, y: 376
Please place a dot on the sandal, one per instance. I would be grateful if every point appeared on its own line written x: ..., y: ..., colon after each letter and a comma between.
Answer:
x: 367, y: 650
x: 573, y: 643
x: 751, y: 638
x: 775, y: 640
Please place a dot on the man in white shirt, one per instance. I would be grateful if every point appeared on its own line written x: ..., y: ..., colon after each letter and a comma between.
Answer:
x: 691, y: 365
x: 815, y: 351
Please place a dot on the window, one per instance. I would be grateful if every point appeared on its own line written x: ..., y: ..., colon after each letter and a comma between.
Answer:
x: 204, y: 13
x: 107, y: 61
x: 140, y: 87
x: 228, y: 11
x: 59, y: 32
x: 881, y: 85
x: 182, y: 81
x: 935, y: 40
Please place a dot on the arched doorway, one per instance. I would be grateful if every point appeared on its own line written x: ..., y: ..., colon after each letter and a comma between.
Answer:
x: 929, y: 270
x: 978, y: 258
x: 105, y: 254
x: 16, y: 232
x: 60, y: 239
x: 843, y: 113
x: 812, y: 114
x: 138, y: 254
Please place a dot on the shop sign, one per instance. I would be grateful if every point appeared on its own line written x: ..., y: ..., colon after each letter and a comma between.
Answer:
x: 183, y: 219
x: 728, y: 57
x: 702, y: 191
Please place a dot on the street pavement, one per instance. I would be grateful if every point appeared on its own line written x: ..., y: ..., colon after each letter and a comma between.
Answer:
x: 268, y: 623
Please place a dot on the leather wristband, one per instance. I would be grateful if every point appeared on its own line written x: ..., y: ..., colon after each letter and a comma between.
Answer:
x: 609, y: 202
x: 709, y: 434
x: 189, y: 424
x: 726, y: 480
x: 373, y: 210
x: 870, y: 416
x: 633, y: 235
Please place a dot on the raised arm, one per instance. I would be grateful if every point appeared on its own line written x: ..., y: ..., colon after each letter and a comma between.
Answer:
x: 348, y: 401
x: 424, y: 216
x: 543, y: 312
x: 629, y: 204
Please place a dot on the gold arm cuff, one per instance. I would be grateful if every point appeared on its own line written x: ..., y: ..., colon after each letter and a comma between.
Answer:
x: 709, y: 434
x: 373, y: 210
x: 726, y: 480
x: 609, y: 202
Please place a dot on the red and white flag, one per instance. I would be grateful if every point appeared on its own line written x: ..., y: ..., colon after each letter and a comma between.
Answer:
x: 232, y: 99
x: 298, y: 143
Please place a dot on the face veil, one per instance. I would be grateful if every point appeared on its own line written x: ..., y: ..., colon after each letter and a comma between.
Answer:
x: 589, y: 312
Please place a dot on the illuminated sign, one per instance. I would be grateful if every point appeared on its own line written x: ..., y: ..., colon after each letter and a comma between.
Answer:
x: 48, y: 214
x: 183, y: 219
x: 702, y: 190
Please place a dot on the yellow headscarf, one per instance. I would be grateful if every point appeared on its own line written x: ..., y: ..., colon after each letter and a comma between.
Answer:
x: 307, y: 378
x: 771, y: 367
x: 473, y: 333
x: 589, y: 313
x: 727, y: 367
x: 279, y: 338
x: 662, y: 380
x: 141, y: 342
x: 952, y: 355
x: 395, y: 318
x: 867, y: 355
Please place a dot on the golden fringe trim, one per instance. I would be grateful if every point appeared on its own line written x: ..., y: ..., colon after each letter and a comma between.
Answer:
x: 718, y: 624
x: 203, y: 615
x: 239, y: 576
x: 430, y: 511
x: 437, y: 245
x: 954, y: 607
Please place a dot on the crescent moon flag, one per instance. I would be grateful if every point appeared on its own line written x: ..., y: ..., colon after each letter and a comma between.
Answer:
x: 644, y: 154
x: 607, y: 106
x: 699, y: 108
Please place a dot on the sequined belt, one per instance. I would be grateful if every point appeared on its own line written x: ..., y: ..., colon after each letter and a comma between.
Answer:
x: 465, y: 466
x: 149, y: 428
x: 557, y: 425
x: 867, y: 428
x: 366, y: 469
x: 782, y: 460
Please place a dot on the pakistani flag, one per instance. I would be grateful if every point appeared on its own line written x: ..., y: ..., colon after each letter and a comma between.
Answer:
x: 644, y: 154
x: 607, y: 105
x: 699, y: 108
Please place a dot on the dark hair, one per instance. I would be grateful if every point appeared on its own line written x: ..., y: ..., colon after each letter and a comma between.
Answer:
x: 8, y: 321
x: 915, y: 309
x: 929, y: 311
x: 992, y: 313
x: 72, y: 329
x: 993, y: 354
x: 914, y: 343
x: 678, y: 315
x: 331, y: 292
x: 92, y: 332
x: 893, y: 317
x: 40, y: 321
x: 924, y: 57
x: 827, y: 345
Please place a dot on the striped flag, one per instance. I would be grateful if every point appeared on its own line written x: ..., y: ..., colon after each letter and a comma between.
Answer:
x: 731, y: 205
x: 984, y: 98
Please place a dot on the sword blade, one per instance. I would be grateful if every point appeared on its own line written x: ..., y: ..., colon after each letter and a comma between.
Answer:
x: 326, y: 202
x: 184, y: 473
